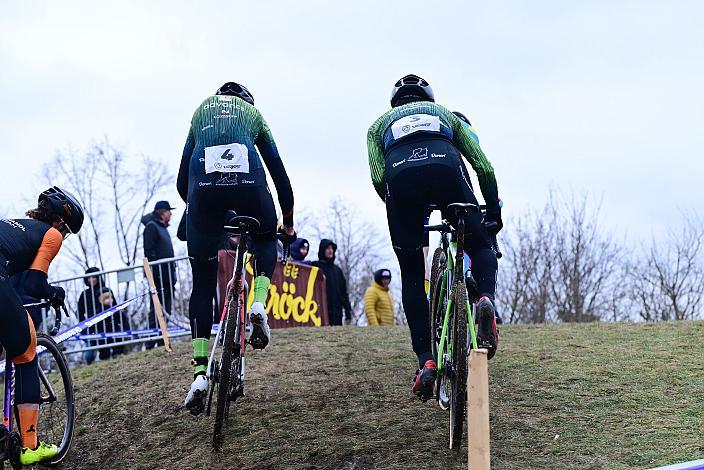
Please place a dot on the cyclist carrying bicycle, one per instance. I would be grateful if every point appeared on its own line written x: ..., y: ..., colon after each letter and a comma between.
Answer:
x: 415, y: 157
x: 222, y: 169
x: 31, y: 244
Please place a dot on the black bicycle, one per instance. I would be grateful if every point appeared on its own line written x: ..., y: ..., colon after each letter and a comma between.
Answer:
x: 56, y: 410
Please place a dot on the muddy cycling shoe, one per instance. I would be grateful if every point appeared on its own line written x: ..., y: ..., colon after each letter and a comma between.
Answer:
x: 195, y: 400
x: 488, y: 336
x: 424, y: 383
x: 260, y: 327
x: 42, y: 453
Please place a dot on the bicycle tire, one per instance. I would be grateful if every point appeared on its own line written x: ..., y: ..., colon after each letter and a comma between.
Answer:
x: 436, y: 270
x: 231, y: 325
x: 458, y: 399
x: 67, y: 383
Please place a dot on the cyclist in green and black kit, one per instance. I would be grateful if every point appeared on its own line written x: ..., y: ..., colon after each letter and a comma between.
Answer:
x: 415, y: 158
x: 222, y: 168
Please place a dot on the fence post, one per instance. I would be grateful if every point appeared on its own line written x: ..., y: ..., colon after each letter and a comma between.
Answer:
x: 157, y: 304
x: 478, y: 411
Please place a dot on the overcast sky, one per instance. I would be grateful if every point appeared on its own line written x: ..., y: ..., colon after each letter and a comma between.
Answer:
x: 604, y: 97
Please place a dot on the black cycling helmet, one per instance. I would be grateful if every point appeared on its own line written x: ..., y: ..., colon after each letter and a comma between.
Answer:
x: 65, y: 205
x: 462, y: 117
x: 411, y: 88
x: 235, y: 89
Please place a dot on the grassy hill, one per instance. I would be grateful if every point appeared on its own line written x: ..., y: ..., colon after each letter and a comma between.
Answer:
x: 563, y: 396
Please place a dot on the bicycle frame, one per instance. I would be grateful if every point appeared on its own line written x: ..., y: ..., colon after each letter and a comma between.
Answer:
x: 9, y: 372
x: 9, y: 394
x: 237, y: 278
x: 453, y: 255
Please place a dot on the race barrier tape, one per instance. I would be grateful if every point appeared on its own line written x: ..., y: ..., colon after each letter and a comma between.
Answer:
x: 76, y: 330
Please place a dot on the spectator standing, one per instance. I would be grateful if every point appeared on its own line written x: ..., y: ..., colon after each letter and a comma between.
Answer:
x: 378, y: 301
x: 336, y: 284
x: 157, y: 245
x: 96, y: 299
x: 299, y: 250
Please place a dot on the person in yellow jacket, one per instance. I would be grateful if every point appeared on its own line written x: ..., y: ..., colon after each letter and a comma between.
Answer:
x: 378, y: 301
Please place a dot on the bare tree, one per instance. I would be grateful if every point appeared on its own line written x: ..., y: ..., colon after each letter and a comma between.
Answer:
x: 560, y: 265
x: 360, y: 248
x: 80, y: 174
x: 587, y: 263
x: 131, y: 193
x: 109, y: 187
x: 668, y: 282
x: 527, y: 270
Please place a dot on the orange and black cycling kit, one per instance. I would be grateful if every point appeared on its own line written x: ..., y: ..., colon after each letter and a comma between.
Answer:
x: 25, y: 244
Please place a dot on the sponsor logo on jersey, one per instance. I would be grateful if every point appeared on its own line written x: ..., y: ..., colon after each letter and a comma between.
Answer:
x: 247, y: 181
x: 14, y: 224
x: 418, y: 154
x: 205, y: 183
x: 438, y: 155
x: 209, y: 126
x: 227, y: 180
x: 221, y: 104
x: 395, y: 164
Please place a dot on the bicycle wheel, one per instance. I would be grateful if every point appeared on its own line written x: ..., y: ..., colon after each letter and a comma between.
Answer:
x: 57, y: 409
x: 226, y: 373
x: 458, y: 397
x: 435, y: 303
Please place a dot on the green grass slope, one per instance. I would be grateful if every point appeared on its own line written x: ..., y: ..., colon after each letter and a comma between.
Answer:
x: 562, y: 396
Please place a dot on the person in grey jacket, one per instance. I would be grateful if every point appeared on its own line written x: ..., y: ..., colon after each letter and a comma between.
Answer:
x: 157, y: 245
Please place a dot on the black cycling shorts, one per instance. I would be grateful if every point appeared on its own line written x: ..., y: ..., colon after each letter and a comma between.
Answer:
x: 206, y: 214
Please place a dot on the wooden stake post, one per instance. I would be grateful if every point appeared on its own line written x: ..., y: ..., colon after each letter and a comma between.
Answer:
x: 157, y: 304
x: 478, y: 411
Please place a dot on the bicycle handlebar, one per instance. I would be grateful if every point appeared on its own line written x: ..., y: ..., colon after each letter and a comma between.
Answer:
x: 57, y: 314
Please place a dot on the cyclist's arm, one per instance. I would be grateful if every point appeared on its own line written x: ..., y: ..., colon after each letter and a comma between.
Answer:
x: 182, y: 179
x: 370, y: 307
x: 270, y: 154
x: 473, y: 153
x: 376, y: 160
x: 36, y: 284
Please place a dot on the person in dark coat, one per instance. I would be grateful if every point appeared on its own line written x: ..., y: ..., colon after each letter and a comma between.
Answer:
x: 96, y: 299
x: 299, y: 250
x: 157, y: 245
x: 335, y: 282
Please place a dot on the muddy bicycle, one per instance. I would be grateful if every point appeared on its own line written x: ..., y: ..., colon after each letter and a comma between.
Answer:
x: 56, y: 410
x: 453, y: 294
x: 226, y: 363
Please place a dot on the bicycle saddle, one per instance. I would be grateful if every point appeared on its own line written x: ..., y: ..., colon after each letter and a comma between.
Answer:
x: 242, y: 222
x: 462, y: 207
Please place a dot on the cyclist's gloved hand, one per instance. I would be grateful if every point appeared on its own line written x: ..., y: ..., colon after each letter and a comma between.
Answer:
x: 492, y: 220
x: 287, y: 234
x: 58, y: 297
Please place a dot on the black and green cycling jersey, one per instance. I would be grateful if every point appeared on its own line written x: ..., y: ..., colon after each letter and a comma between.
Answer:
x: 416, y: 119
x: 228, y: 144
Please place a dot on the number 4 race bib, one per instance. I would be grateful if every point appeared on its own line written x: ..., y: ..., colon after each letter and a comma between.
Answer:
x: 230, y: 158
x: 414, y: 123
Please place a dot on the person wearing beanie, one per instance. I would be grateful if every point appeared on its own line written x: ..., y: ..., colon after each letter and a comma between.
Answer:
x: 378, y: 301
